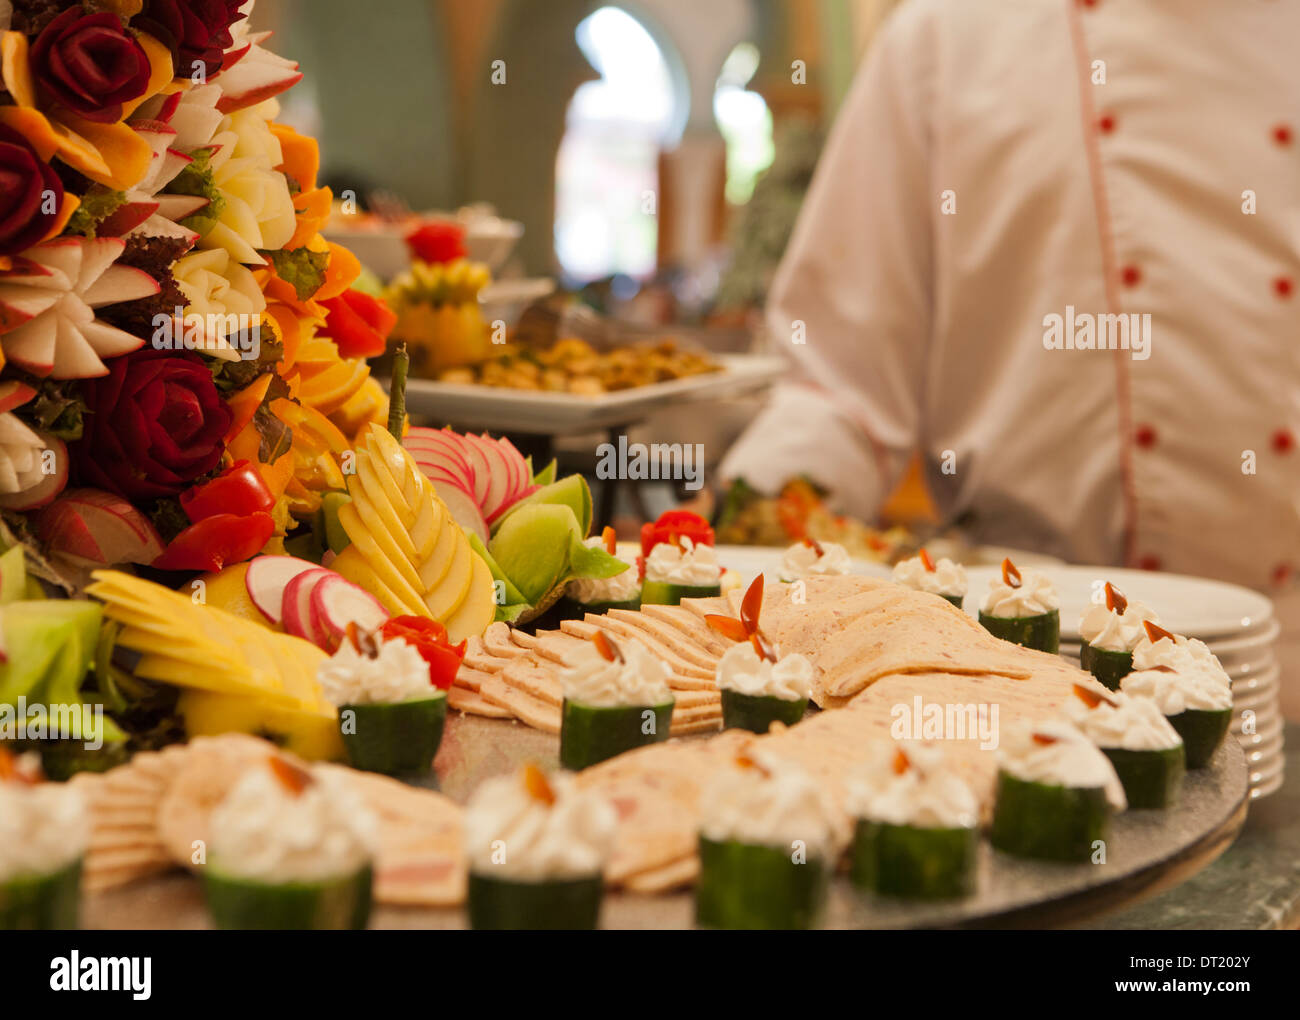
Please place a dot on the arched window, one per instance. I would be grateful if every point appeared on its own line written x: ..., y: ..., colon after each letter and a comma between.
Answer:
x: 606, y: 171
x: 744, y: 121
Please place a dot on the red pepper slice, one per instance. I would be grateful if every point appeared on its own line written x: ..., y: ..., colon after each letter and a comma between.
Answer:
x: 901, y: 762
x: 751, y: 605
x: 814, y: 545
x: 609, y: 538
x: 214, y: 541
x: 762, y: 648
x: 429, y: 638
x: 609, y: 651
x: 358, y: 324
x: 1046, y: 740
x: 672, y: 526
x: 1010, y: 575
x: 728, y: 626
x: 926, y: 561
x: 239, y: 490
x: 1115, y: 600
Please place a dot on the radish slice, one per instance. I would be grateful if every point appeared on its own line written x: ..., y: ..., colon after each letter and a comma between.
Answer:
x: 518, y: 468
x: 267, y: 578
x: 482, y: 468
x: 336, y: 602
x: 464, y: 511
x: 297, y: 604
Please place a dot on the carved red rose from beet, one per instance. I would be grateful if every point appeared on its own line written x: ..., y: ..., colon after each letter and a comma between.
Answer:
x: 89, y: 64
x: 156, y: 423
x: 30, y: 194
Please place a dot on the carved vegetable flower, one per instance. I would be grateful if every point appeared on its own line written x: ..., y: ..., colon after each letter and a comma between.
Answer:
x: 222, y: 293
x: 89, y: 64
x: 48, y: 301
x: 257, y: 213
x: 33, y: 205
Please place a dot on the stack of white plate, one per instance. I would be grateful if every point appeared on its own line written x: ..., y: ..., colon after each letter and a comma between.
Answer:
x: 1238, y: 625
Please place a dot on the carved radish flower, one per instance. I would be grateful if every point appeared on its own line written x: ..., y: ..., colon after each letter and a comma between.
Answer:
x: 48, y: 301
x: 22, y: 449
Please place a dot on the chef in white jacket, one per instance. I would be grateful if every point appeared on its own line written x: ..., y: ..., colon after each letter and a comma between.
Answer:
x: 1055, y: 246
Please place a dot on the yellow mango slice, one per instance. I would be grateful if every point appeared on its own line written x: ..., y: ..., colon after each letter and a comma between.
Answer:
x: 381, y: 552
x: 450, y: 592
x: 479, y: 608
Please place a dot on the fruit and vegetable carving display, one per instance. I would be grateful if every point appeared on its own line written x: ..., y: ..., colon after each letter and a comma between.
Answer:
x: 195, y: 461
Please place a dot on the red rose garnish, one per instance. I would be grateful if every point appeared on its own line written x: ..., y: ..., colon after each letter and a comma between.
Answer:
x: 437, y: 241
x: 89, y: 64
x: 429, y: 638
x: 671, y: 527
x: 24, y: 180
x: 196, y: 31
x: 156, y: 423
x: 358, y: 324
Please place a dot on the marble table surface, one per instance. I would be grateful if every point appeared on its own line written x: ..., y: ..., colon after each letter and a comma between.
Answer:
x: 1255, y: 884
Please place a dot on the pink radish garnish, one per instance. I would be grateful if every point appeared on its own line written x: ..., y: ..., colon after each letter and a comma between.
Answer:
x: 267, y: 579
x: 337, y: 602
x: 297, y: 604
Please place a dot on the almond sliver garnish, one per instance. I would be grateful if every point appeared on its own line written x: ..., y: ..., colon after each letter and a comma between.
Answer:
x: 1092, y: 698
x: 1156, y: 632
x: 291, y: 777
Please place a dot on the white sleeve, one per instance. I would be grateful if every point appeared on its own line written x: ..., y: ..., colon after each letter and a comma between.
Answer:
x: 858, y: 276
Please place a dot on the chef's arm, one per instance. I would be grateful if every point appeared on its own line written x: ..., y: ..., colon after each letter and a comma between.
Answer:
x: 850, y: 307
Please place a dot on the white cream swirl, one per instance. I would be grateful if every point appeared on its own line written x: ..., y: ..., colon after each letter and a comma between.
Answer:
x: 1178, y: 653
x: 1035, y: 596
x: 947, y: 577
x: 265, y: 832
x: 694, y: 565
x: 927, y: 794
x: 801, y: 561
x: 1121, y: 721
x: 44, y: 827
x: 1175, y: 693
x: 622, y: 587
x: 640, y: 679
x: 398, y: 673
x: 1070, y: 760
x: 743, y: 670
x: 1115, y: 632
x: 511, y: 834
x: 773, y: 804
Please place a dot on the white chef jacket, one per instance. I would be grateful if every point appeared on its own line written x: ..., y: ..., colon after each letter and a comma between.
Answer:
x: 1102, y: 157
